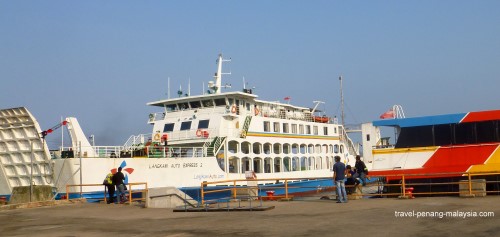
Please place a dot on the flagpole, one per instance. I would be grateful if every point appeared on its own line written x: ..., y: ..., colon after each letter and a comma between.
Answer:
x: 342, y: 117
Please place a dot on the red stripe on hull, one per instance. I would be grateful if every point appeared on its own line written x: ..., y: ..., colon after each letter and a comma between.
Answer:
x: 448, y: 160
x: 482, y: 116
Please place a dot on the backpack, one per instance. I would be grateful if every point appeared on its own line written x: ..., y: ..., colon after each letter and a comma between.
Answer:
x: 108, y: 180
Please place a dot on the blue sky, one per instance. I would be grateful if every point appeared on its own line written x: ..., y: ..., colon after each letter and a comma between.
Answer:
x: 102, y: 61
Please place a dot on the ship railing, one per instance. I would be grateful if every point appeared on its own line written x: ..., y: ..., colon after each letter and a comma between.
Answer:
x: 135, y: 140
x: 150, y: 151
x: 192, y: 134
x: 391, y: 146
x: 220, y: 109
x: 351, y: 148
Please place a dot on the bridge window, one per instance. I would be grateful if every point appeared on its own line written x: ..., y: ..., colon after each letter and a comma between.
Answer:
x: 169, y: 127
x: 207, y: 103
x: 203, y: 124
x: 195, y: 104
x: 186, y: 125
x: 171, y: 108
x: 184, y: 106
x: 220, y: 102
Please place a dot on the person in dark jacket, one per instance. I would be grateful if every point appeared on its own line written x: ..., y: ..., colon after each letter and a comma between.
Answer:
x: 118, y: 179
x: 361, y: 170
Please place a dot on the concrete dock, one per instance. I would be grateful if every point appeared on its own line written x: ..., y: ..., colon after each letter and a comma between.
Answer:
x: 312, y: 217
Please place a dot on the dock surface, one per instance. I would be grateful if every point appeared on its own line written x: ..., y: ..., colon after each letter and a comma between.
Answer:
x: 313, y: 217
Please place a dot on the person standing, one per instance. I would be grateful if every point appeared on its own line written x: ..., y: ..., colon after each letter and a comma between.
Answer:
x: 108, y: 181
x: 361, y: 170
x: 338, y: 177
x: 118, y: 178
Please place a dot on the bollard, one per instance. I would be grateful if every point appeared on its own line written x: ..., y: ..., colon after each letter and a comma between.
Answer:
x: 409, y: 192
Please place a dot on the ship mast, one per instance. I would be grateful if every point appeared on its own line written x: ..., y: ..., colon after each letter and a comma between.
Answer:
x: 218, y: 75
x: 342, y: 116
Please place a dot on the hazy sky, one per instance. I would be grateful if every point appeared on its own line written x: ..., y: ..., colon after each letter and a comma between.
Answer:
x: 102, y: 61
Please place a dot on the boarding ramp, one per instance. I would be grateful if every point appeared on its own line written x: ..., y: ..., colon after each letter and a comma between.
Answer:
x: 24, y: 155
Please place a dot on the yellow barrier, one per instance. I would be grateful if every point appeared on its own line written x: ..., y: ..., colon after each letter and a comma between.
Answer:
x: 130, y: 191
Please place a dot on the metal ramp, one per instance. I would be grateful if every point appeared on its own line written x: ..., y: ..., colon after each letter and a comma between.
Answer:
x: 22, y: 151
x: 246, y: 126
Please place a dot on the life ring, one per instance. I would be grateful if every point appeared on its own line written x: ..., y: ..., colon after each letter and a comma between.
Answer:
x: 256, y: 111
x: 233, y: 109
x: 164, y: 137
x: 199, y: 133
x: 157, y: 137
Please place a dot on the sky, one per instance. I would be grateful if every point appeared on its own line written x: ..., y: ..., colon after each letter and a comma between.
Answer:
x: 102, y: 61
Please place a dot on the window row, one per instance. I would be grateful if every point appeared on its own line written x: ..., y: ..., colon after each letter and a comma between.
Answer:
x: 449, y: 134
x: 278, y: 127
x: 278, y: 148
x: 278, y: 164
x: 186, y: 125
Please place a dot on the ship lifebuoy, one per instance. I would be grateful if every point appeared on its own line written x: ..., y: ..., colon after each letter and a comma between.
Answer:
x: 233, y: 109
x: 256, y: 111
x: 157, y: 137
x: 164, y: 137
x: 199, y: 133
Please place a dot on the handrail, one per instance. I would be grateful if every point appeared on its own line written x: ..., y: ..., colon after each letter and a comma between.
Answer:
x: 234, y: 185
x: 130, y: 191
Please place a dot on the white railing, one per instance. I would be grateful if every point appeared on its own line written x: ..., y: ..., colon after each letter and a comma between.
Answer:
x: 137, y: 140
x: 139, y: 152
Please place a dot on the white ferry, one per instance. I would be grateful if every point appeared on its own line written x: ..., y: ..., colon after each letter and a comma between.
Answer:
x: 211, y: 137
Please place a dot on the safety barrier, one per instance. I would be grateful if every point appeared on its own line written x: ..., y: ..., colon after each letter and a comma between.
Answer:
x: 405, y: 189
x: 253, y: 190
x: 132, y: 188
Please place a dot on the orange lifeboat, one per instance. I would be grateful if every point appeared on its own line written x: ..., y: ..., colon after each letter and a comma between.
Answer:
x: 319, y: 119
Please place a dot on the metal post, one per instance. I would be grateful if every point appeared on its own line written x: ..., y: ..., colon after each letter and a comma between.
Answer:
x: 403, y: 186
x: 81, y: 165
x: 342, y: 116
x: 31, y: 173
x: 202, y: 194
x: 470, y: 184
x: 234, y: 189
x: 286, y: 188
